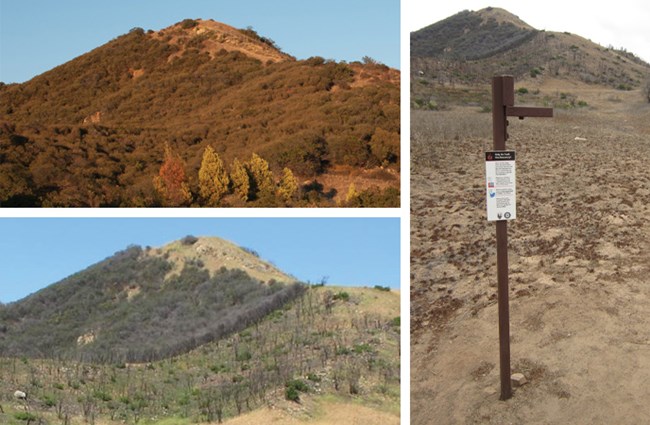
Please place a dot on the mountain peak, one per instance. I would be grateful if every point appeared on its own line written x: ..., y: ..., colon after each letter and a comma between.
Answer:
x: 211, y: 36
x: 502, y: 16
x: 470, y: 35
x: 215, y: 253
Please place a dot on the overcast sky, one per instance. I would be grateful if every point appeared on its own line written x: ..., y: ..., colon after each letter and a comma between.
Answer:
x: 37, y: 35
x: 621, y: 23
x: 36, y: 252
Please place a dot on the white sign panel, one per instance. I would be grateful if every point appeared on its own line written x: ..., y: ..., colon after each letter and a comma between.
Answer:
x: 500, y: 185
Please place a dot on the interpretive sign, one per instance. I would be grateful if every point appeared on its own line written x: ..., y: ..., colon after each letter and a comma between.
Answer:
x: 500, y: 185
x: 503, y: 101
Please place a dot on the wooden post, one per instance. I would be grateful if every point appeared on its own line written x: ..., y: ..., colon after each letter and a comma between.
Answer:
x: 503, y: 99
x: 502, y: 87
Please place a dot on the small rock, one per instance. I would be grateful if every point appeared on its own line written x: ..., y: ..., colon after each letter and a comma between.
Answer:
x: 580, y: 139
x: 490, y: 390
x: 518, y: 379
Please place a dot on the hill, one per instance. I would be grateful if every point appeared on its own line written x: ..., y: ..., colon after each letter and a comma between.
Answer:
x: 94, y: 131
x: 147, y: 304
x: 471, y: 35
x: 578, y: 262
x: 328, y: 348
x: 454, y: 60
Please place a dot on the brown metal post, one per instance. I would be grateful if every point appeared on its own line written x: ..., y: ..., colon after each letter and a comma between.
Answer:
x: 502, y: 96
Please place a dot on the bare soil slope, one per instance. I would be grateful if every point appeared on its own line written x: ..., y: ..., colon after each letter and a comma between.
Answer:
x: 216, y: 253
x: 321, y: 412
x: 580, y: 302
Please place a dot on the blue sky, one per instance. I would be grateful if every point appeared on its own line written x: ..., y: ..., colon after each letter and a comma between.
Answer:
x: 37, y: 35
x: 36, y: 252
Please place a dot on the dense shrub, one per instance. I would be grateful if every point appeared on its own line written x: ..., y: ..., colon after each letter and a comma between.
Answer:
x: 375, y: 197
x: 293, y: 389
x: 189, y: 240
x: 92, y: 132
x: 342, y: 295
x: 188, y: 23
x: 382, y: 288
x: 167, y: 317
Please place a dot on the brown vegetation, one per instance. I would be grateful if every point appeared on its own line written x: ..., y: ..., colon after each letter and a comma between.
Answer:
x: 92, y: 132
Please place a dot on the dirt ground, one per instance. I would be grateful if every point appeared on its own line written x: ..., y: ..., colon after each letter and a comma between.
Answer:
x: 579, y: 255
x: 318, y: 412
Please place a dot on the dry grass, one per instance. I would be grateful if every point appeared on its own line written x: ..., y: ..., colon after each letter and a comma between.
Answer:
x: 216, y: 253
x: 578, y: 256
x: 321, y: 411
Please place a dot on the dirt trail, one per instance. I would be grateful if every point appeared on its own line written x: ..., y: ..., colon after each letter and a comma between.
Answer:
x: 579, y: 268
x: 324, y: 413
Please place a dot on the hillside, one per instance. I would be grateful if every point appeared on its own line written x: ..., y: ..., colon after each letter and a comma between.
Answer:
x: 94, y: 131
x: 578, y: 264
x: 454, y: 60
x: 147, y: 304
x: 329, y: 348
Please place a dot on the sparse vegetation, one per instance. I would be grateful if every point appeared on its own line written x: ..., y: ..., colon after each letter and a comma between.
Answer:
x: 452, y: 290
x: 293, y: 350
x: 466, y: 36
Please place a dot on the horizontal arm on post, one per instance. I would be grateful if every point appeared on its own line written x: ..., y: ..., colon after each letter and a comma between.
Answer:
x: 523, y: 111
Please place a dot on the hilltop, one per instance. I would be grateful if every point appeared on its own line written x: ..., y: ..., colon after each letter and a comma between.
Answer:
x: 147, y: 304
x: 214, y: 253
x: 210, y: 36
x: 454, y: 60
x: 97, y: 130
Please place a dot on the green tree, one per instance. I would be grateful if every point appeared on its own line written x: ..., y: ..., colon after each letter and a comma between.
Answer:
x: 240, y: 180
x: 171, y: 182
x: 213, y: 178
x: 288, y: 186
x: 261, y: 177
